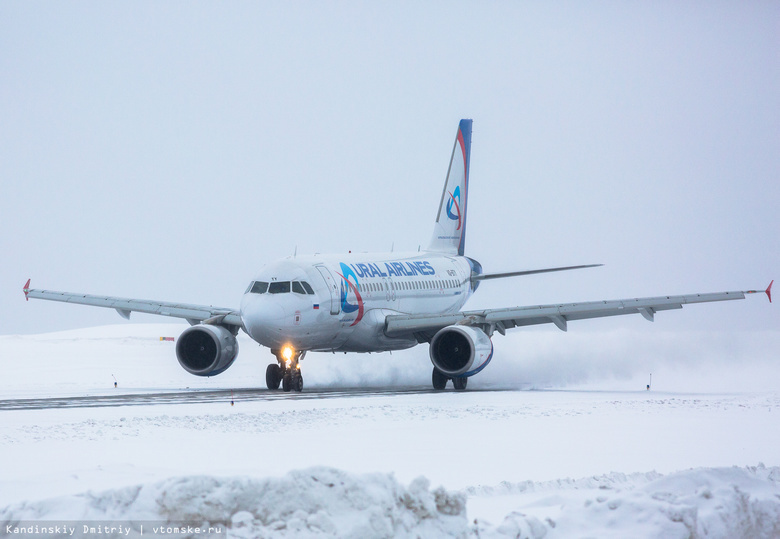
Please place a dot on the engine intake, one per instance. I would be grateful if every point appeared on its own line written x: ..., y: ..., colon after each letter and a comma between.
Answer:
x: 460, y: 351
x: 206, y: 350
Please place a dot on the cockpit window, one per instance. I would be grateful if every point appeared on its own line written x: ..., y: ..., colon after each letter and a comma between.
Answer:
x: 282, y: 287
x: 297, y: 288
x: 307, y: 287
x: 257, y: 287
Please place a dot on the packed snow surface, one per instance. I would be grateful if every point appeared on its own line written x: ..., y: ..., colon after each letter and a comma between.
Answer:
x: 506, y: 458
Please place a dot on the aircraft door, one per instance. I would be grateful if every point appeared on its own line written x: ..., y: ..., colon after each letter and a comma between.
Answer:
x: 330, y: 282
x: 390, y: 287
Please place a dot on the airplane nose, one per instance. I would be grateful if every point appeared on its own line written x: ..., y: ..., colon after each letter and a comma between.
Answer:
x: 262, y: 318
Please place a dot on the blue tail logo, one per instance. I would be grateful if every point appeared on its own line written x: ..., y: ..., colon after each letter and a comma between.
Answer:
x: 454, y: 202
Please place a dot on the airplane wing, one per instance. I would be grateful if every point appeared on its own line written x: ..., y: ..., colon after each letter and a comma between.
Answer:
x: 194, y: 314
x: 424, y: 327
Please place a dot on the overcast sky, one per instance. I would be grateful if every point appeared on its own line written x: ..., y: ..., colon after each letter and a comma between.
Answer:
x: 167, y: 150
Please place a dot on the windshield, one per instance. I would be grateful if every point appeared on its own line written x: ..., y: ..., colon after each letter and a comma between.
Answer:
x: 282, y: 287
x: 257, y: 287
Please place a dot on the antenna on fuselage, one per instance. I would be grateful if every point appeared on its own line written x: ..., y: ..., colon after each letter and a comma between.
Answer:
x: 392, y: 247
x: 295, y: 253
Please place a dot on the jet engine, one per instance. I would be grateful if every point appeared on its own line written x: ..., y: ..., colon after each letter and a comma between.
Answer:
x: 460, y: 351
x: 206, y: 350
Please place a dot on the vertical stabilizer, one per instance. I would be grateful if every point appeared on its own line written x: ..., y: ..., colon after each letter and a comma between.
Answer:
x: 449, y: 231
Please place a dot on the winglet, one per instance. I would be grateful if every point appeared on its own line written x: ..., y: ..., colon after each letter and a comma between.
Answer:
x: 26, y: 289
x: 768, y: 291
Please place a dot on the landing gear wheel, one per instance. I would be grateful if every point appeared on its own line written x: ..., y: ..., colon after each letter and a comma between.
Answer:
x: 273, y: 376
x: 288, y: 370
x: 460, y: 383
x: 439, y: 379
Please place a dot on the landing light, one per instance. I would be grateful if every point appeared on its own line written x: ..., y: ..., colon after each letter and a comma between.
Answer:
x: 287, y: 352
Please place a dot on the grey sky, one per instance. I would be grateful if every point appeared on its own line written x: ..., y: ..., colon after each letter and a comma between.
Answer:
x: 168, y: 150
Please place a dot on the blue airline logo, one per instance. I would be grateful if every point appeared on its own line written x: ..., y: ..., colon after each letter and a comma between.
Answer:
x: 454, y: 202
x: 351, y: 273
x: 390, y: 269
x: 346, y: 274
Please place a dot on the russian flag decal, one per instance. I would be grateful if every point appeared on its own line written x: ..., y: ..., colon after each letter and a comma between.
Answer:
x: 316, y: 306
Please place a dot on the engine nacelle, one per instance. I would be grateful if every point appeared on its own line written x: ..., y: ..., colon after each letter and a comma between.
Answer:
x: 206, y: 350
x: 460, y: 351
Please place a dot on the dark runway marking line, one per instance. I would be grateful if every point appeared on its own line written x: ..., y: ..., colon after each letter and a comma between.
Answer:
x: 197, y: 396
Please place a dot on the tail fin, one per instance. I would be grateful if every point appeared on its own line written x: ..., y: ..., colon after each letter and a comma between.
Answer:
x: 449, y: 231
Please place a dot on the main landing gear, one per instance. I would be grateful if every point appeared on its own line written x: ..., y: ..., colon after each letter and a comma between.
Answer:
x: 440, y: 379
x: 287, y: 370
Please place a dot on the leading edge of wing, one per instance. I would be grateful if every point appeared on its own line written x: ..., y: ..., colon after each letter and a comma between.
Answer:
x: 558, y: 314
x: 486, y: 276
x: 124, y: 306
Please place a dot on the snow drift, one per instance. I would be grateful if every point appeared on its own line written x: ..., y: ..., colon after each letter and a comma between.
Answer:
x: 324, y: 502
x: 704, y: 502
x: 306, y: 503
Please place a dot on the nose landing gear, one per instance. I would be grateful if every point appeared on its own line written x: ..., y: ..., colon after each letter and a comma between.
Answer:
x: 286, y: 372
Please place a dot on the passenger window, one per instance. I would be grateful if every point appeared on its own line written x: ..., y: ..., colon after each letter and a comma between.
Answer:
x: 307, y: 287
x: 282, y: 287
x: 298, y: 288
x: 259, y: 287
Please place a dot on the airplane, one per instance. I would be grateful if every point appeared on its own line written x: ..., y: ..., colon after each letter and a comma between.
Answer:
x: 375, y: 302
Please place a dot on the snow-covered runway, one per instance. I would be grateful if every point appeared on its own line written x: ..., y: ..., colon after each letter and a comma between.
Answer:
x: 553, y: 462
x: 200, y: 396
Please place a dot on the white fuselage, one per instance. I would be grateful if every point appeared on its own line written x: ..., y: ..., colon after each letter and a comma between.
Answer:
x: 339, y: 302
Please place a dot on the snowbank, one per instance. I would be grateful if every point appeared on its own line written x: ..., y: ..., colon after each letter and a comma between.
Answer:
x: 318, y: 502
x: 307, y: 503
x: 704, y: 502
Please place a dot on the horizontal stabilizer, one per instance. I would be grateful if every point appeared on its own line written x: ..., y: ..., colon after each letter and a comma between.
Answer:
x: 485, y: 276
